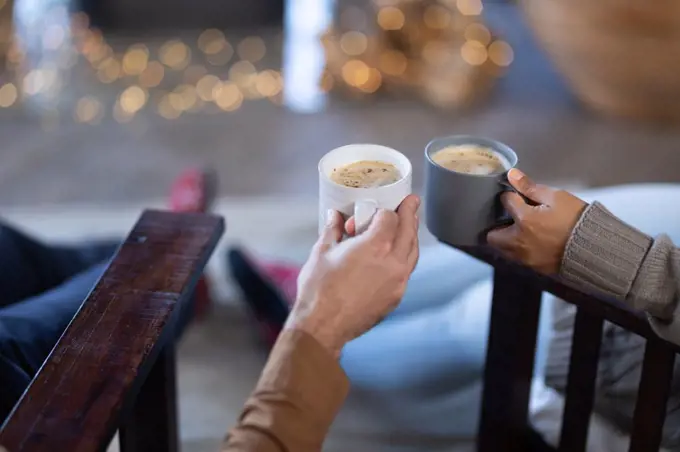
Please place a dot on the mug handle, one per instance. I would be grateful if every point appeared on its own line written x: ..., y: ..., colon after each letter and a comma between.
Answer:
x: 504, y: 219
x: 364, y: 210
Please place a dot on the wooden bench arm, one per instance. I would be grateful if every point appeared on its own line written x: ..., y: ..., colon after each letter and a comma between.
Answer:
x: 93, y: 375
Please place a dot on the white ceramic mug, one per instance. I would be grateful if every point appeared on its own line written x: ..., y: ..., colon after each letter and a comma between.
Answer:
x: 361, y: 202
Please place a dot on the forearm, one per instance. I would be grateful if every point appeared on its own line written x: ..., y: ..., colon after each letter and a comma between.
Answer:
x: 607, y: 255
x: 293, y: 405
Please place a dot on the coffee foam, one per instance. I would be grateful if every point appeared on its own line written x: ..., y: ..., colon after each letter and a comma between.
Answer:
x: 366, y: 174
x: 471, y: 159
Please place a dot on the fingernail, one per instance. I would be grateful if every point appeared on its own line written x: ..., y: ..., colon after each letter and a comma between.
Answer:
x: 515, y: 174
x: 330, y: 217
x: 417, y: 202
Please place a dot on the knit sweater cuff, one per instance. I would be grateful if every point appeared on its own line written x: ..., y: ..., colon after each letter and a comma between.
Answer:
x: 604, y: 253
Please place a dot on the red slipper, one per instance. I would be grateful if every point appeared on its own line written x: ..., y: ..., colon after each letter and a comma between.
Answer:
x: 195, y: 190
x: 284, y: 276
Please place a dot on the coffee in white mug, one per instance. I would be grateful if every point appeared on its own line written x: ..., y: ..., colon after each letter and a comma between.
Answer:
x: 366, y: 174
x: 358, y: 179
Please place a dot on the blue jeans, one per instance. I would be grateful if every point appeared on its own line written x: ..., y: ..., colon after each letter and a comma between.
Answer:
x: 423, y: 365
x: 41, y: 289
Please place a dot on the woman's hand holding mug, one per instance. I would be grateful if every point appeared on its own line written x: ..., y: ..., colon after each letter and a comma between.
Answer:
x: 540, y: 233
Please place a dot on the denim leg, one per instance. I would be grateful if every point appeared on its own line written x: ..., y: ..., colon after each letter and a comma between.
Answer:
x: 29, y: 267
x: 29, y: 329
x: 441, y: 274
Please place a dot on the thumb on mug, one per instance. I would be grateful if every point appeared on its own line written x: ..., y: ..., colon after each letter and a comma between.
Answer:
x: 332, y: 232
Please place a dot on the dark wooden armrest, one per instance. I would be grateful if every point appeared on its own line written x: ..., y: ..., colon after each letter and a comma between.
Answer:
x: 596, y: 304
x: 504, y: 425
x: 122, y: 334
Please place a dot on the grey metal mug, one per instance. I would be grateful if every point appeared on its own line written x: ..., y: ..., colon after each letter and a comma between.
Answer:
x: 460, y: 209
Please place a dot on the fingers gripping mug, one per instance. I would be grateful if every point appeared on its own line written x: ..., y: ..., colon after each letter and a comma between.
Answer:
x: 359, y: 179
x: 464, y: 178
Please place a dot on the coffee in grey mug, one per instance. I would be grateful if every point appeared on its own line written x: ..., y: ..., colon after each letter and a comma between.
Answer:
x: 464, y: 178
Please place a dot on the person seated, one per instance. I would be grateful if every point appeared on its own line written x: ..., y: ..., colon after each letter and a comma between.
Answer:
x: 426, y: 358
x: 42, y: 286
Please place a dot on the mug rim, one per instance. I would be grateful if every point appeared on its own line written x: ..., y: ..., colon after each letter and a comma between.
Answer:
x: 405, y: 176
x: 456, y: 140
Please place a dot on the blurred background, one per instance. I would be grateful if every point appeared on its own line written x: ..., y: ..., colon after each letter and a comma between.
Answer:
x: 103, y: 103
x: 106, y: 101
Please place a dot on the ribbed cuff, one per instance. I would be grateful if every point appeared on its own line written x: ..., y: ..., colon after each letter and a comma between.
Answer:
x: 604, y: 253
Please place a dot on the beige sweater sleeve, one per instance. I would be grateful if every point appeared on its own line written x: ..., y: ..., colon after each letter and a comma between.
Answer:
x: 610, y: 256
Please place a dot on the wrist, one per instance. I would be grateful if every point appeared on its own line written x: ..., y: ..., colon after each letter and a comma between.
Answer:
x: 323, y: 332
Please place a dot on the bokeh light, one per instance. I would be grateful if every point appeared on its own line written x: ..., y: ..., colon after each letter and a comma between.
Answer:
x: 15, y: 54
x: 136, y: 59
x: 212, y: 41
x: 391, y: 18
x: 89, y: 110
x: 92, y: 40
x: 109, y: 70
x: 8, y: 94
x: 183, y: 98
x: 501, y: 53
x: 356, y: 73
x: 34, y: 82
x: 166, y: 110
x: 222, y: 57
x: 228, y: 96
x: 373, y: 83
x: 243, y: 74
x: 99, y: 53
x: 478, y: 32
x: 269, y: 83
x: 132, y: 99
x: 152, y: 75
x: 474, y: 53
x: 470, y: 7
x: 205, y: 88
x: 353, y: 43
x: 175, y: 55
x: 251, y: 49
x: 393, y: 62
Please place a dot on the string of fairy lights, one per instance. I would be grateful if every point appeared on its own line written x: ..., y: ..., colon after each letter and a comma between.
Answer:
x: 172, y: 78
x: 438, y: 49
x: 210, y: 73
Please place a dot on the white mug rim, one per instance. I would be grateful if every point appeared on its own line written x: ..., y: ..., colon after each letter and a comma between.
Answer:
x: 401, y: 156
